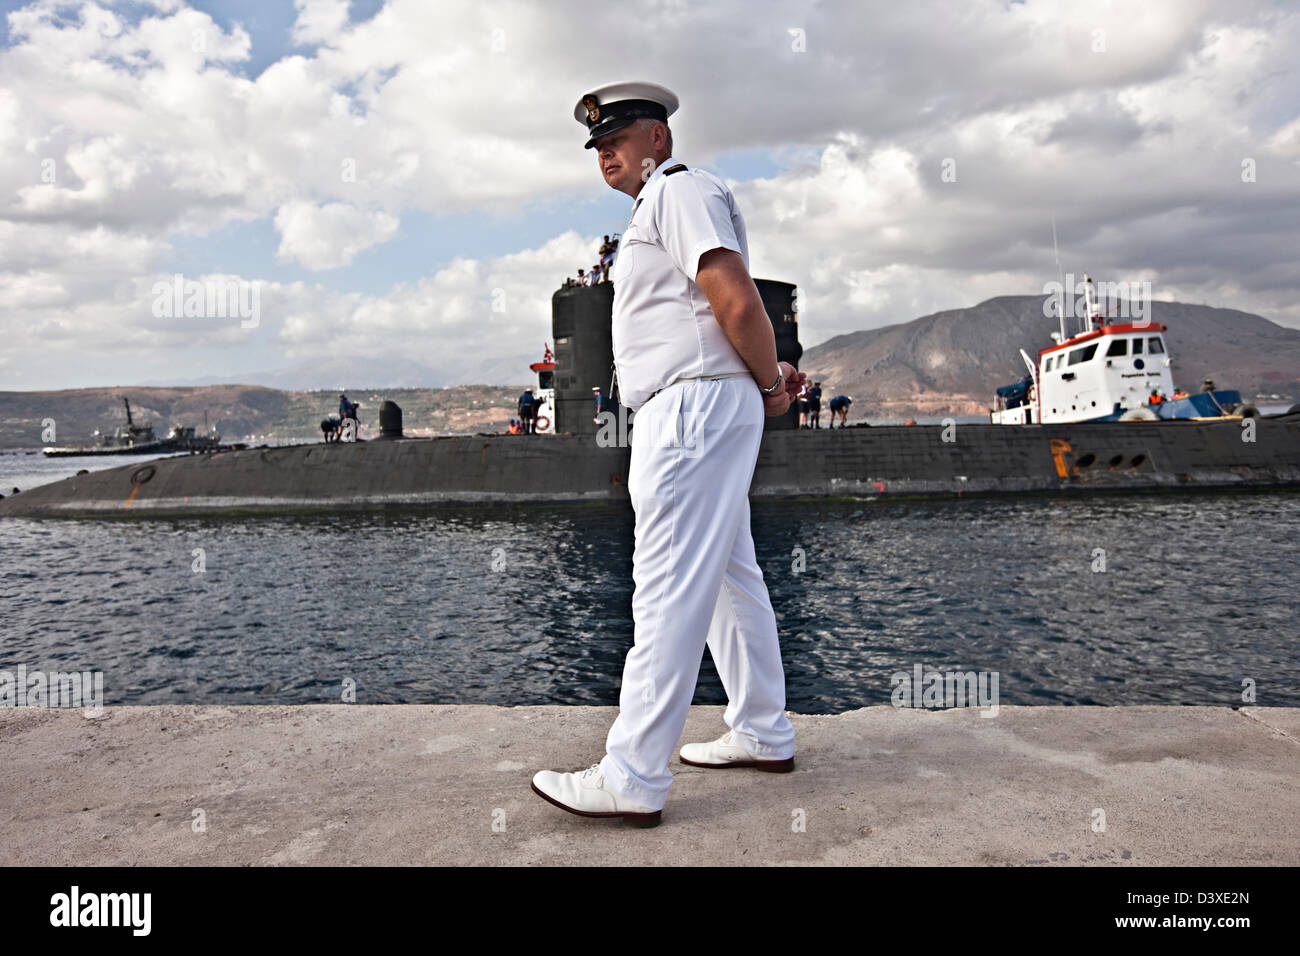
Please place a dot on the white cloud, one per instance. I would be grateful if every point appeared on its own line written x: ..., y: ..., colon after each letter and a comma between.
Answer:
x: 473, y: 313
x: 328, y: 236
x: 319, y: 21
x: 123, y: 132
x: 469, y: 307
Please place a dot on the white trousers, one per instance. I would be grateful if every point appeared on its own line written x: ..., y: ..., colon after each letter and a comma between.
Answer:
x: 696, y: 582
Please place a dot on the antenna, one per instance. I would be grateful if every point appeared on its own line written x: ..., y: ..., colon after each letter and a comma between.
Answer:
x: 1091, y: 308
x: 1060, y: 296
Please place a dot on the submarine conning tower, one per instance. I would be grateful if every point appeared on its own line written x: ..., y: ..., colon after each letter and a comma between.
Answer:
x: 581, y: 327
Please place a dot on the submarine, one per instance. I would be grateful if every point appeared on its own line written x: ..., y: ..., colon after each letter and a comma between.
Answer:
x: 574, y: 459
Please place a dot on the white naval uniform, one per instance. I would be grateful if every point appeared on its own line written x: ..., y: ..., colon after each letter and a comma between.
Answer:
x: 694, y: 446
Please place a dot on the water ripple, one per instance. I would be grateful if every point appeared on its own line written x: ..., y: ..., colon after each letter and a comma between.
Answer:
x: 533, y: 606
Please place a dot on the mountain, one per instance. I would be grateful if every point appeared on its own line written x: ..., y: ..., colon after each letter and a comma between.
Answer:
x: 949, y: 363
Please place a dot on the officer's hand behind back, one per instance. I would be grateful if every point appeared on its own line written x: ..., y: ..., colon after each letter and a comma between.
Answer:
x: 777, y: 403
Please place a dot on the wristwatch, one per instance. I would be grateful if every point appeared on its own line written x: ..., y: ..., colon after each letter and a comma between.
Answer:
x: 780, y: 376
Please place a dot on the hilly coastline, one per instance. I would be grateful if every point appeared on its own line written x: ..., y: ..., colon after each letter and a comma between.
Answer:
x: 947, y: 363
x: 248, y: 412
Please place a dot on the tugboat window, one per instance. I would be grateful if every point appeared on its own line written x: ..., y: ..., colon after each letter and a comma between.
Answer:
x: 1154, y: 345
x: 1083, y: 354
x: 1117, y: 347
x: 1137, y: 346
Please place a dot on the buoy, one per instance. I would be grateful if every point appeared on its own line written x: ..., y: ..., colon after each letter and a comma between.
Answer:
x: 1139, y: 414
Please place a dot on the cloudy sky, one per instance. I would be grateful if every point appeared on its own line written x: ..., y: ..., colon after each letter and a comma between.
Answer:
x: 404, y: 184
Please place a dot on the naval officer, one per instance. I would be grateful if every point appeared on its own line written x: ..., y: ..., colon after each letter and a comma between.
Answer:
x: 695, y: 359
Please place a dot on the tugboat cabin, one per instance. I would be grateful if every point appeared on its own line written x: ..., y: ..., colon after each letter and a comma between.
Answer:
x: 1103, y: 373
x: 1106, y: 373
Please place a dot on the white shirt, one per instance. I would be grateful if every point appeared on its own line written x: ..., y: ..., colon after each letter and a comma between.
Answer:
x: 663, y: 325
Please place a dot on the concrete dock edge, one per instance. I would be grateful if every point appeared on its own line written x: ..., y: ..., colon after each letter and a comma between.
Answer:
x: 412, y: 784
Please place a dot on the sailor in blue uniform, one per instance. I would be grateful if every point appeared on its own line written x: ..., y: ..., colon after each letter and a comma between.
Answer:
x: 840, y: 406
x: 815, y: 405
x: 348, y: 411
x: 695, y: 359
x: 527, y: 408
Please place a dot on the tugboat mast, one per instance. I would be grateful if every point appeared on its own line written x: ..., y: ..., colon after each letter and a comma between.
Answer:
x: 1060, y: 292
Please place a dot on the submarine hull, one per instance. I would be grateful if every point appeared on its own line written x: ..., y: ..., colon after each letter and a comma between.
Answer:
x: 876, y: 462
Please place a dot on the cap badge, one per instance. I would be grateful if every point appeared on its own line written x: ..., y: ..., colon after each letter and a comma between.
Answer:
x: 593, y: 108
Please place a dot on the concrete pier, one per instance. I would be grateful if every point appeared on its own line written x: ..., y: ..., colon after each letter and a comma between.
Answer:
x: 355, y: 784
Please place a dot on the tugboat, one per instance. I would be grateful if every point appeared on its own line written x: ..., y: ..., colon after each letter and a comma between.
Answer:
x: 128, y: 439
x: 545, y: 392
x: 1108, y: 373
x: 182, y: 438
x: 133, y: 439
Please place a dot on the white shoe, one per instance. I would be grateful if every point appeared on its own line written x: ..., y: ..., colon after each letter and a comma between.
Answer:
x: 585, y: 794
x: 725, y: 752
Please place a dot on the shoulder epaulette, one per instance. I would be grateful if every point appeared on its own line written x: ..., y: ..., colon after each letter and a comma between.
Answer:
x: 674, y: 169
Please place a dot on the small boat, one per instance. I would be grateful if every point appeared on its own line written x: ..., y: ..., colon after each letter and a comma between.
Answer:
x: 545, y: 392
x: 128, y: 439
x: 1108, y: 372
x: 133, y: 439
x: 183, y: 438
